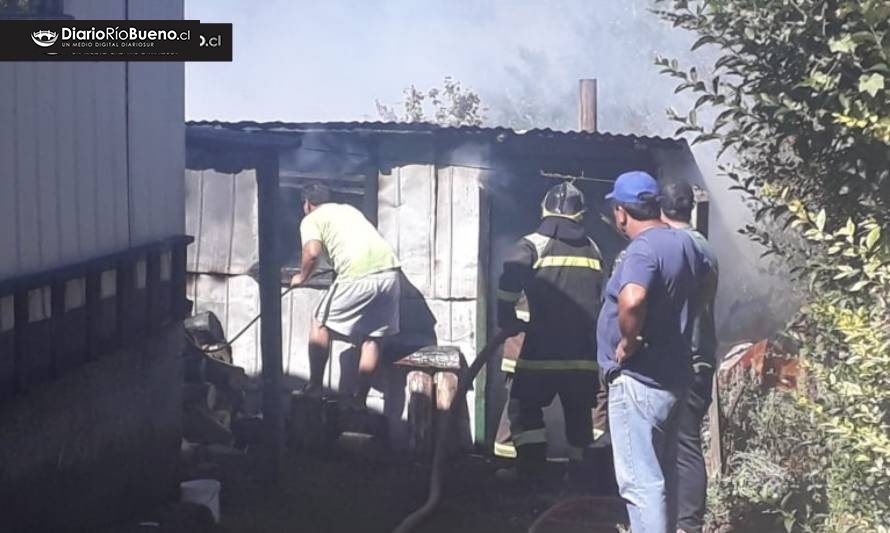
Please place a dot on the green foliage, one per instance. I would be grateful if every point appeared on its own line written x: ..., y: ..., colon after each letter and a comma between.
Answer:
x: 775, y: 483
x: 449, y: 105
x: 800, y: 95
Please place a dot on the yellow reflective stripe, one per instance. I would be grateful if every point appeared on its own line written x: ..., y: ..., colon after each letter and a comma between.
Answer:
x: 532, y: 436
x: 506, y: 450
x: 536, y: 364
x: 508, y: 296
x: 508, y: 365
x: 568, y: 261
x: 525, y: 316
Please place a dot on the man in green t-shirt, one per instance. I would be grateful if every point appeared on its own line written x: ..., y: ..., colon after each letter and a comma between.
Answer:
x: 362, y: 305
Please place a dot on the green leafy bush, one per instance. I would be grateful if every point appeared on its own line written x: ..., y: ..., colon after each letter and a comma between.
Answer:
x: 801, y: 97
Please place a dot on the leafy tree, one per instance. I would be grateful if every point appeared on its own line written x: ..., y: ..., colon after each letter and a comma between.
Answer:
x: 800, y: 94
x: 803, y: 94
x: 450, y: 105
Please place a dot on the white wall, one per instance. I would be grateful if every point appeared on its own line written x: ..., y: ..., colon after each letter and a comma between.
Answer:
x: 91, y: 154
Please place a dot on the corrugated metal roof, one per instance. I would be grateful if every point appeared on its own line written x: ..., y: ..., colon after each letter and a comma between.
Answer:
x: 279, y: 127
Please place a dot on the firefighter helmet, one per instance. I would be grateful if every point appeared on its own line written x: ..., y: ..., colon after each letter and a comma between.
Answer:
x: 564, y: 200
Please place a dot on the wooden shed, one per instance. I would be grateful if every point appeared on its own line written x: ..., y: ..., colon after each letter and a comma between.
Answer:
x: 450, y: 200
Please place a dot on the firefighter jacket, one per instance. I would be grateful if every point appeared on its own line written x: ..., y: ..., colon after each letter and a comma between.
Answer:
x: 559, y: 271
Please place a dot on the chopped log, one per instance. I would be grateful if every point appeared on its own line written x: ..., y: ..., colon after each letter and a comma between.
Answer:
x: 223, y: 374
x: 200, y: 394
x: 314, y: 422
x: 218, y: 352
x: 446, y: 388
x: 199, y: 425
x: 205, y: 328
x: 419, y: 392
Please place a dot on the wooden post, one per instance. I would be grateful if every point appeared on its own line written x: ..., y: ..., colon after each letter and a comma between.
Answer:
x: 715, y: 448
x: 270, y: 308
x: 587, y: 105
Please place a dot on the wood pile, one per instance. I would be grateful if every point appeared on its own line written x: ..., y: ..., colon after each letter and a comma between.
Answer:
x: 215, y: 429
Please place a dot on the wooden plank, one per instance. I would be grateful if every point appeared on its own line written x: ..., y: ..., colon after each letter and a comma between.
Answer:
x: 444, y: 232
x: 419, y: 390
x: 38, y: 334
x: 194, y: 198
x: 243, y: 304
x: 124, y: 309
x: 56, y: 327
x: 215, y: 239
x: 7, y: 347
x: 152, y: 293
x: 387, y: 205
x: 270, y: 306
x: 210, y: 296
x: 244, y: 251
x: 20, y: 314
x: 407, y: 200
x: 465, y: 228
x: 178, y: 305
x: 9, y: 252
x: 93, y: 311
x: 106, y: 321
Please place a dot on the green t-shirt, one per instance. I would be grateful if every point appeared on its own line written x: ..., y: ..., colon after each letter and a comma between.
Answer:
x: 352, y: 244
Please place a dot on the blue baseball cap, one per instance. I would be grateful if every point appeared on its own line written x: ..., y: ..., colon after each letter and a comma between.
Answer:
x: 633, y: 187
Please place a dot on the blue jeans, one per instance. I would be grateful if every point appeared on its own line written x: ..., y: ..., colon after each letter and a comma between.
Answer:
x: 644, y: 424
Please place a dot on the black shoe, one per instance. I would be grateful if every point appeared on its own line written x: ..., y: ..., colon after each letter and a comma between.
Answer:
x: 312, y: 390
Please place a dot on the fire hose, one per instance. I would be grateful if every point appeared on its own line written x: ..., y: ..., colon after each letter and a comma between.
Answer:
x: 416, y: 518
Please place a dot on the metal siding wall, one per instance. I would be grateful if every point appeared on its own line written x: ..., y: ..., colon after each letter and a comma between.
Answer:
x: 64, y: 192
x: 156, y: 136
x: 9, y: 256
x: 26, y: 130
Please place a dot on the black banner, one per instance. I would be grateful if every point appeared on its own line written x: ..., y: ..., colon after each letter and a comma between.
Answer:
x: 114, y: 40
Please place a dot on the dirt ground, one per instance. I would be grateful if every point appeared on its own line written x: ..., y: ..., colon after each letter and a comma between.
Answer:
x: 346, y: 494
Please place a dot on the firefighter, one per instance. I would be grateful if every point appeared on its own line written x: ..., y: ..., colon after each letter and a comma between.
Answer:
x: 559, y: 270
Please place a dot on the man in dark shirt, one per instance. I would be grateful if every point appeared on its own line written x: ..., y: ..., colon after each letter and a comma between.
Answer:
x: 643, y: 352
x: 677, y: 201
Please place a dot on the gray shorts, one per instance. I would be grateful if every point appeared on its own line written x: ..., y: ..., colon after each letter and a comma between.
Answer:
x: 362, y: 307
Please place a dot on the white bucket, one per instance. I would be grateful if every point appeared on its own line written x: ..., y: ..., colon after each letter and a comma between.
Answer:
x: 202, y: 492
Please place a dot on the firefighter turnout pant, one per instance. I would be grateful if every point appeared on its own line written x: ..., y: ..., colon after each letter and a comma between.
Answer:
x: 531, y: 392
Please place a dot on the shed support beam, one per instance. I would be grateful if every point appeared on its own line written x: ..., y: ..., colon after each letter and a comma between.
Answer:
x: 270, y: 308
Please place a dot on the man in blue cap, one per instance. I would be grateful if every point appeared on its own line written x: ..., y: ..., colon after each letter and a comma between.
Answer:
x: 642, y: 350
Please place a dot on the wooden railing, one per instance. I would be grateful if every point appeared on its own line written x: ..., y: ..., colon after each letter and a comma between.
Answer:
x: 55, y: 321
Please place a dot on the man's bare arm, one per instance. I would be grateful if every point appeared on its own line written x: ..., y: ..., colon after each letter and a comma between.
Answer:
x: 631, y: 316
x: 311, y: 252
